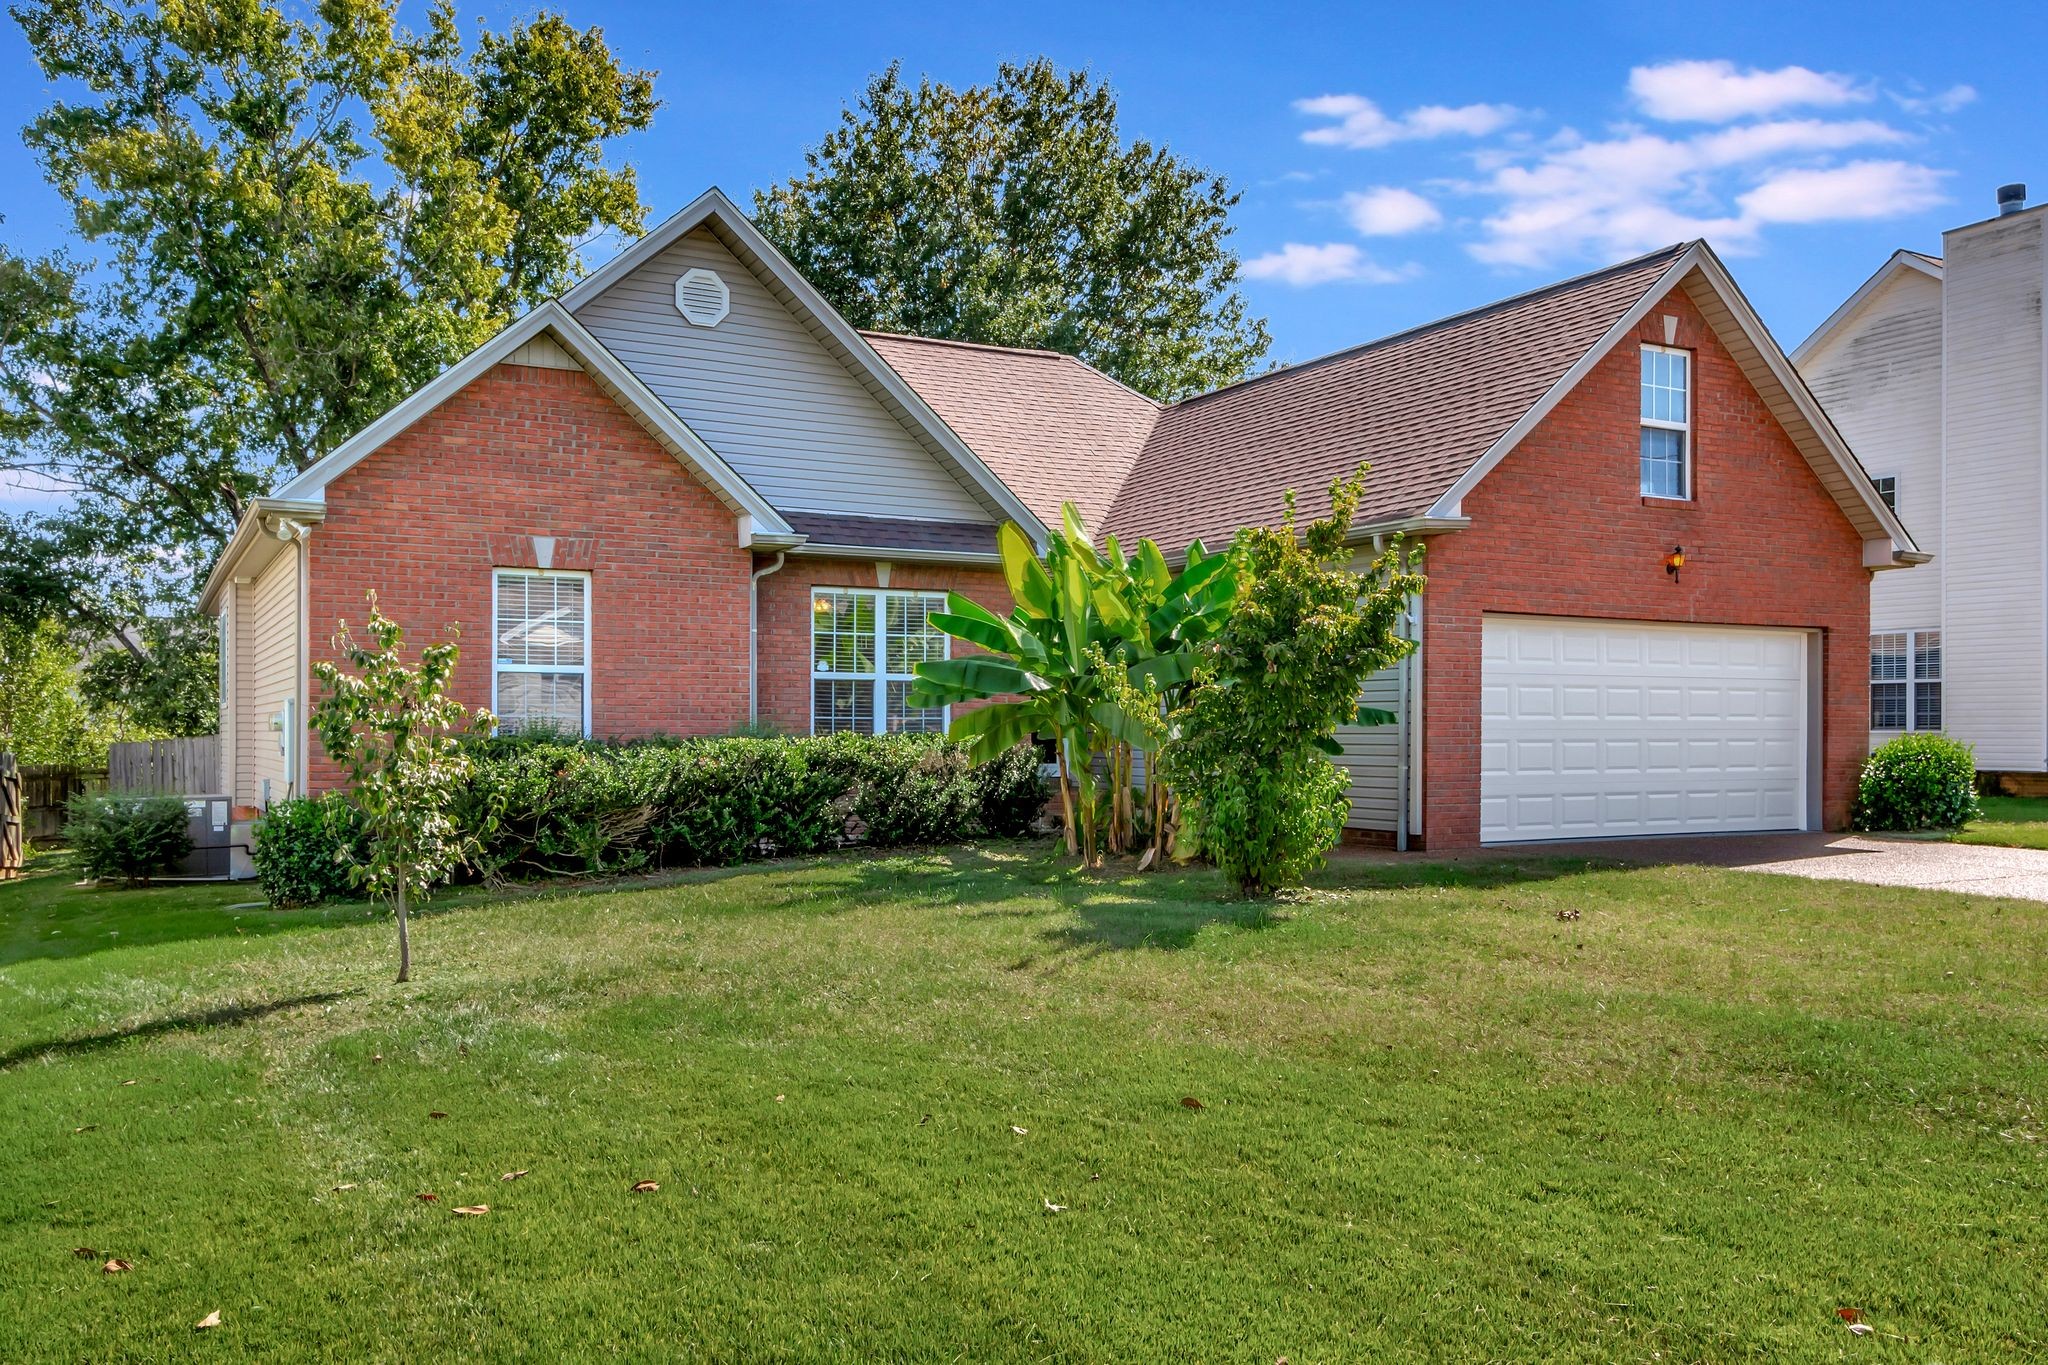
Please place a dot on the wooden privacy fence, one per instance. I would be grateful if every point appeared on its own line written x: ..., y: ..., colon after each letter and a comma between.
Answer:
x: 32, y: 802
x: 180, y: 767
x: 10, y: 818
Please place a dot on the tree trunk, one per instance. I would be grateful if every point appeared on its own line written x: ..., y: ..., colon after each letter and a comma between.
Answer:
x: 404, y: 942
x: 1067, y: 799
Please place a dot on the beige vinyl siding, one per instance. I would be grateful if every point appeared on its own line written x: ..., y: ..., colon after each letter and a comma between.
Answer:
x: 542, y: 352
x: 774, y: 403
x: 1372, y: 758
x: 1996, y: 693
x: 266, y: 654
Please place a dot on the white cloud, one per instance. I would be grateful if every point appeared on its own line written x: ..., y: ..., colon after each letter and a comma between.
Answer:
x: 1361, y: 123
x: 1387, y: 211
x: 1302, y: 265
x: 1942, y: 102
x: 1715, y: 92
x: 1859, y: 190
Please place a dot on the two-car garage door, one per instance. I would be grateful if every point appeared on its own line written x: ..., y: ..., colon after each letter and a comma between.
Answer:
x: 1593, y: 729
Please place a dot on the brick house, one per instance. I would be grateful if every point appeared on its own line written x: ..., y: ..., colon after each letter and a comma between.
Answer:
x: 687, y: 495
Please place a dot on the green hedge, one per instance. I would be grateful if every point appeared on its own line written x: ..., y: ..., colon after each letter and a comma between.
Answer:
x: 544, y: 806
x: 1920, y: 781
x: 130, y: 837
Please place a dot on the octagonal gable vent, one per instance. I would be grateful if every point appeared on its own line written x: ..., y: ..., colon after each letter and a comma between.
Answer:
x: 702, y: 298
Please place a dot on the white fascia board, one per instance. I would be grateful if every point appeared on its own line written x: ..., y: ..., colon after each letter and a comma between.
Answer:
x: 714, y: 204
x: 1901, y: 261
x: 555, y: 320
x: 250, y: 532
x: 1449, y: 504
x: 1699, y: 256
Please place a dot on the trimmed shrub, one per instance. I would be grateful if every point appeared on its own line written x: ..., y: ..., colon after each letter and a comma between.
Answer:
x: 304, y: 849
x: 1918, y: 781
x: 1010, y: 792
x: 130, y: 837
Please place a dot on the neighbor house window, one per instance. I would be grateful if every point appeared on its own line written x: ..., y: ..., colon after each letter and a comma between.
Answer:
x: 1667, y: 423
x: 1887, y: 486
x: 541, y: 650
x: 1905, y: 680
x: 865, y: 648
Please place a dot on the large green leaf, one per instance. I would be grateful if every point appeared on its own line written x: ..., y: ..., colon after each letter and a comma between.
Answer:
x: 1120, y: 724
x: 1029, y: 586
x: 1150, y: 566
x: 1165, y: 670
x: 978, y: 676
x: 1077, y: 535
x: 968, y: 620
x: 990, y: 730
x: 1329, y: 746
x: 1373, y: 715
x: 1073, y: 598
x: 1116, y: 613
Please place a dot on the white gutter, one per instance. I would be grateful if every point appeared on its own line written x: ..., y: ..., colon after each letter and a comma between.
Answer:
x: 754, y: 635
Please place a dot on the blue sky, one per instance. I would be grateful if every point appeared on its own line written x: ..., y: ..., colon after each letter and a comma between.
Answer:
x: 1398, y: 162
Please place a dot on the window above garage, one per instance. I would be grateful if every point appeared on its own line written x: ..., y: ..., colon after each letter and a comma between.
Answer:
x: 1666, y: 423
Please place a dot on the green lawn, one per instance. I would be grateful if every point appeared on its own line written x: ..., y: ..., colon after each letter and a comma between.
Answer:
x: 933, y: 1107
x: 2013, y: 821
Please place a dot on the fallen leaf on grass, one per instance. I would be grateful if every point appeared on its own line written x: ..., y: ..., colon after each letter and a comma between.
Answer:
x: 645, y: 1187
x: 349, y: 1186
x: 85, y: 1253
x: 210, y: 1320
x: 1861, y: 1329
x: 779, y: 1099
x: 923, y: 1121
x: 1190, y: 1102
x: 116, y: 1266
x: 1848, y: 1315
x: 511, y: 1175
x: 1051, y: 1207
x: 436, y: 1114
x: 86, y: 1129
x: 474, y: 1210
x: 1567, y: 916
x: 428, y: 1198
x: 1020, y: 1132
x: 127, y: 1082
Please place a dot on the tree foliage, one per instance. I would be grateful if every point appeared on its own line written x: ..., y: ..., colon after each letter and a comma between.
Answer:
x: 395, y: 732
x: 1016, y: 213
x: 46, y: 715
x: 300, y: 217
x: 1251, y: 747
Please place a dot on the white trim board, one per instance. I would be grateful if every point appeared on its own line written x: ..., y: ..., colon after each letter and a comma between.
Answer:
x: 624, y: 387
x: 1865, y: 509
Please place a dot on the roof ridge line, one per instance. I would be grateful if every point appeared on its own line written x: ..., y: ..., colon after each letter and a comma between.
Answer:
x: 1673, y: 251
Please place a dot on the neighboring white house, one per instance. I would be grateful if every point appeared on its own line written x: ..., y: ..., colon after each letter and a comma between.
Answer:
x: 1934, y: 371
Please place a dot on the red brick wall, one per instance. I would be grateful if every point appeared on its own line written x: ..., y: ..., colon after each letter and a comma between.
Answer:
x: 526, y: 452
x: 1560, y: 528
x: 786, y: 620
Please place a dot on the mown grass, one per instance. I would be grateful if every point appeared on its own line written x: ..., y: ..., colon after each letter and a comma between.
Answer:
x: 1436, y: 1119
x: 2009, y: 821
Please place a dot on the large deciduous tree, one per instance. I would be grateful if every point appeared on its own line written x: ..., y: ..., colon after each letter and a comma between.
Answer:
x: 1016, y: 213
x: 297, y: 216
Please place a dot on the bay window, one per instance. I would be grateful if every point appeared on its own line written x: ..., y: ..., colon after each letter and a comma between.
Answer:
x: 540, y: 647
x: 866, y: 644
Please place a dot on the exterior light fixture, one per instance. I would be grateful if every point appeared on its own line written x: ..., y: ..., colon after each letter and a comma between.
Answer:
x: 1674, y: 561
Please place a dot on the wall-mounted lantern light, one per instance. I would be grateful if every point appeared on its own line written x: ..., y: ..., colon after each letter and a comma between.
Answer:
x: 1674, y: 561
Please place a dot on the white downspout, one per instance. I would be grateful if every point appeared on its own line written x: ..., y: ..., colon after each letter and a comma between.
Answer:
x: 1401, y: 766
x: 754, y: 636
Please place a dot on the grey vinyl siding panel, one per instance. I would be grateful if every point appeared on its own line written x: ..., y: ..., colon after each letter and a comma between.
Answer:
x: 1372, y: 757
x: 266, y: 641
x: 773, y: 402
x: 1996, y: 688
x: 1880, y: 380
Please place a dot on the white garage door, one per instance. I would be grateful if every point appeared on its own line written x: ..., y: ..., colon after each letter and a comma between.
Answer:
x: 1595, y: 729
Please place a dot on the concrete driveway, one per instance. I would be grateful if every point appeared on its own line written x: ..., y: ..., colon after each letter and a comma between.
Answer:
x: 2019, y: 873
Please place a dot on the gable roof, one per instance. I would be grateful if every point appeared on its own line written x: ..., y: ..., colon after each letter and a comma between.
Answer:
x: 1901, y: 262
x: 759, y: 522
x: 1053, y: 427
x: 1421, y: 406
x: 737, y: 233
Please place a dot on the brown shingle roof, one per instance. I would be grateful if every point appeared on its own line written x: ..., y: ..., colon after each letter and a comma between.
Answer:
x: 1420, y: 406
x: 1049, y: 426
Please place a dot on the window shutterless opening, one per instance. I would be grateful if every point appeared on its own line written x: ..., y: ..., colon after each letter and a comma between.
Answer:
x: 1665, y: 459
x: 866, y: 644
x: 540, y: 649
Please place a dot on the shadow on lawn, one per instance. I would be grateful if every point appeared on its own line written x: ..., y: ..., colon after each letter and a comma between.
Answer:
x: 192, y: 1022
x: 1120, y: 908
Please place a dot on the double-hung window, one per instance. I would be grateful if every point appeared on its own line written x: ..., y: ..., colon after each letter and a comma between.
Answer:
x: 541, y: 650
x: 1667, y: 423
x: 1905, y: 680
x: 865, y: 648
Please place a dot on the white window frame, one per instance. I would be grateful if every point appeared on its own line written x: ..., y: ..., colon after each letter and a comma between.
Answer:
x: 499, y: 667
x: 1659, y: 424
x: 1876, y: 482
x: 1912, y: 682
x: 878, y: 719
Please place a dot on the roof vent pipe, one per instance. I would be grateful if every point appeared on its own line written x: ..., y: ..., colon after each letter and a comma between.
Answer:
x: 2011, y: 199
